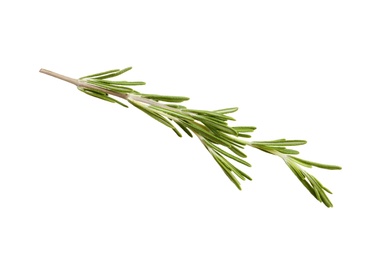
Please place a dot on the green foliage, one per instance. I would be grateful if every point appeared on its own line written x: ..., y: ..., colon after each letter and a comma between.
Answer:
x: 225, y: 143
x: 278, y: 147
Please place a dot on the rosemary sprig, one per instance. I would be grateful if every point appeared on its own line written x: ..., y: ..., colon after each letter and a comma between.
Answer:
x: 222, y: 141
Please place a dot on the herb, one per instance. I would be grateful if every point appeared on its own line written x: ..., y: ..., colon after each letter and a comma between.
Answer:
x: 222, y: 141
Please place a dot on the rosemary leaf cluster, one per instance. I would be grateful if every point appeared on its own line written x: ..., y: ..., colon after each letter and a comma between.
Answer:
x: 224, y: 142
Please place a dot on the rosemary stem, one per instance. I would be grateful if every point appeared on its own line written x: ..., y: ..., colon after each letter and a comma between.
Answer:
x: 59, y: 76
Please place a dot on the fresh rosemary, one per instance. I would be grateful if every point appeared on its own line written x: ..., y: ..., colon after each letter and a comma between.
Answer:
x: 222, y: 141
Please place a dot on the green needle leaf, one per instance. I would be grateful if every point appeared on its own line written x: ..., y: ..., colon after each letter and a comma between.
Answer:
x: 177, y: 132
x: 184, y: 129
x: 285, y: 151
x: 319, y: 165
x: 99, y: 74
x: 237, y: 152
x: 226, y: 110
x: 244, y: 129
x: 281, y: 142
x: 123, y: 83
x: 119, y: 72
x: 174, y: 99
x: 244, y: 135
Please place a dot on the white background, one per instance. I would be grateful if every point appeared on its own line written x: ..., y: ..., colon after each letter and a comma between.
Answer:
x: 85, y: 179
